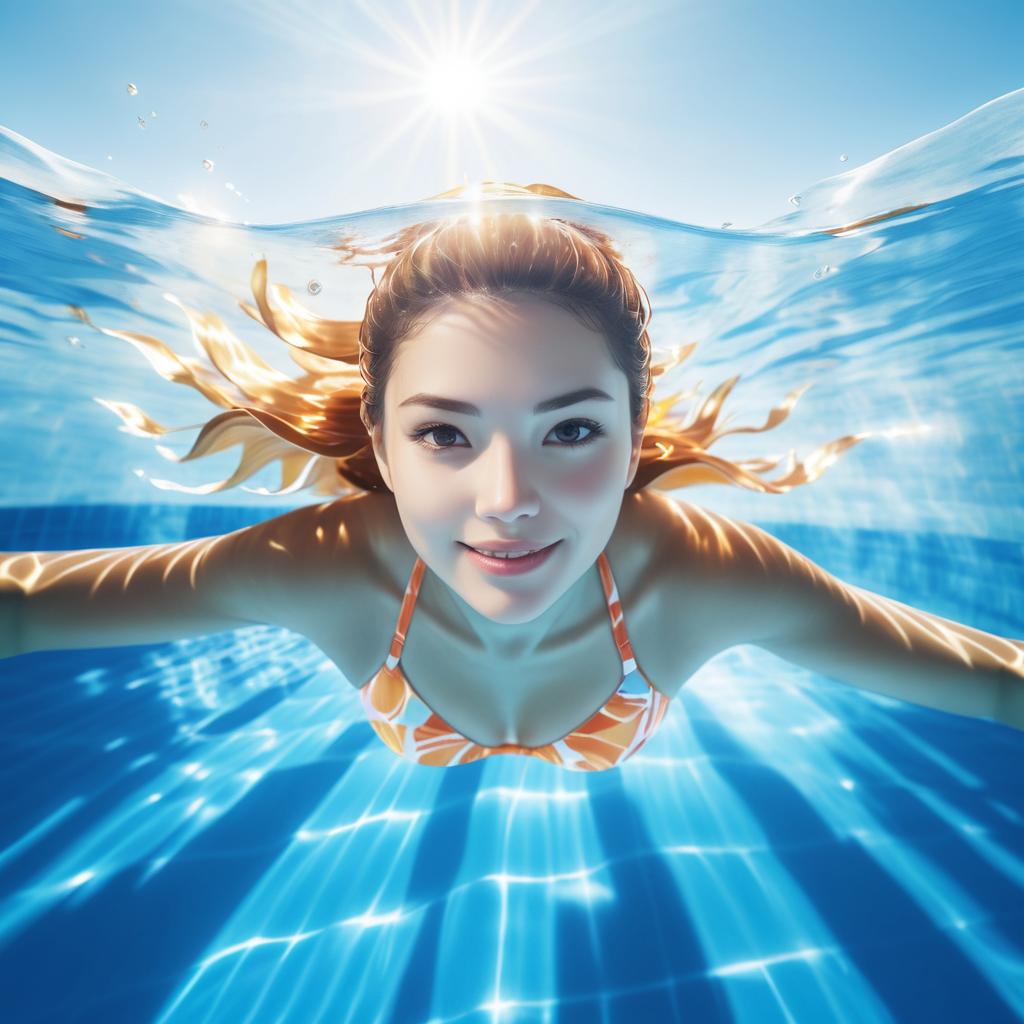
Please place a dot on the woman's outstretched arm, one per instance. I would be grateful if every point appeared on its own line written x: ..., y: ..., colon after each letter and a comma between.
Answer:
x: 776, y: 598
x: 280, y: 571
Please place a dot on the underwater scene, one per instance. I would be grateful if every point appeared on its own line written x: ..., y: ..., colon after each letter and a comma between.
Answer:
x: 209, y: 830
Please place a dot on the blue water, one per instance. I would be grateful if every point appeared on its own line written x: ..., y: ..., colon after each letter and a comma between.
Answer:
x: 208, y: 830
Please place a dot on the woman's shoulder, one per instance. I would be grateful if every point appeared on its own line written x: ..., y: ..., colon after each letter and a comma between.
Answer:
x: 335, y: 550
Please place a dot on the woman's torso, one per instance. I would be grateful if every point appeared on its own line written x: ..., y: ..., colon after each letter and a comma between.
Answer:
x: 530, y: 701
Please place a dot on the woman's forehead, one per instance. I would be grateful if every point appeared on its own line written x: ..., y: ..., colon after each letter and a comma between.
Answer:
x: 508, y: 314
x: 450, y: 365
x: 517, y: 330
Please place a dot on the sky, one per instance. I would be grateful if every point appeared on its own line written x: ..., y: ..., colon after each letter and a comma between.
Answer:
x: 702, y: 112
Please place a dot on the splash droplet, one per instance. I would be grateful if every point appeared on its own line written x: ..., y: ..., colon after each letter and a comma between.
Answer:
x: 227, y: 184
x: 843, y: 158
x: 208, y: 165
x: 132, y: 91
x: 203, y: 124
x: 313, y: 286
x: 73, y: 339
x: 142, y: 124
x: 794, y: 200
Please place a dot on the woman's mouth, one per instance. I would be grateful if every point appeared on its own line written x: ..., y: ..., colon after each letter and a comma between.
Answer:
x: 509, y: 563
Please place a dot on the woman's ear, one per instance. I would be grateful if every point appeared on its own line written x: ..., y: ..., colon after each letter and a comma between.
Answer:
x: 377, y: 441
x: 638, y: 442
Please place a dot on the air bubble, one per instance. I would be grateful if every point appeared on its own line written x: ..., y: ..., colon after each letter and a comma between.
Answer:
x: 843, y: 158
x: 152, y: 113
x: 227, y: 184
x: 822, y: 272
x: 73, y: 339
x: 794, y: 200
x: 313, y: 286
x: 207, y: 165
x: 132, y: 90
x: 203, y: 124
x: 142, y: 124
x: 726, y: 224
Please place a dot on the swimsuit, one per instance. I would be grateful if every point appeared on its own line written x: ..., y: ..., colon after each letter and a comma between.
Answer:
x: 616, y: 731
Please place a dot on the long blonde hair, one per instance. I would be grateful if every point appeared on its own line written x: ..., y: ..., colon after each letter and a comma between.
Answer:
x: 316, y: 426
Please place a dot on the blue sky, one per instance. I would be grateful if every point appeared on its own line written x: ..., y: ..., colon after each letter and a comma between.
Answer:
x: 702, y: 112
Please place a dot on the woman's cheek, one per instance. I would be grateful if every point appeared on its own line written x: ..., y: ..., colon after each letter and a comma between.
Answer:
x: 588, y: 479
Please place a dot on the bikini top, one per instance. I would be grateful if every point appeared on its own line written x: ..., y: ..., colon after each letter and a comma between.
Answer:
x: 616, y: 731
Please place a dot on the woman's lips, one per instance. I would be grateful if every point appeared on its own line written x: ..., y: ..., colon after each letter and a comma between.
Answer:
x: 510, y: 566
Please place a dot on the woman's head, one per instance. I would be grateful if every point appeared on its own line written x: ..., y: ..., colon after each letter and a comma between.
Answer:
x: 507, y: 315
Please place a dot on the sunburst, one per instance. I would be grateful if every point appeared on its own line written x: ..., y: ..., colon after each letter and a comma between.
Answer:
x: 448, y: 84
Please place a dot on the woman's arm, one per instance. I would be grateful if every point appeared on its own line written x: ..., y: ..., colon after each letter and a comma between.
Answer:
x: 279, y: 571
x: 773, y: 596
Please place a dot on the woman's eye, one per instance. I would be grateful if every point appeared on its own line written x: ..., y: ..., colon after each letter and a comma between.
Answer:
x: 446, y: 430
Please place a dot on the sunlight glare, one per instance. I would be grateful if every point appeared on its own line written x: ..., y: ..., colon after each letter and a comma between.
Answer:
x: 454, y: 84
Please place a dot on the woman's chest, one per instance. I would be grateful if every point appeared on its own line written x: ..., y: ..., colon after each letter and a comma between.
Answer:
x: 529, y: 700
x: 542, y: 697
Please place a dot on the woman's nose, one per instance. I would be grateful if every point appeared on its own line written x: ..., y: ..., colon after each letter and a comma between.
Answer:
x: 505, y: 488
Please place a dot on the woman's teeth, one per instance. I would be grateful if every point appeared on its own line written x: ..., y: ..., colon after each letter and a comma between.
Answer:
x: 506, y: 554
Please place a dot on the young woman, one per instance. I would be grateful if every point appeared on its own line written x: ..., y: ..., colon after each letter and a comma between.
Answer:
x: 505, y: 408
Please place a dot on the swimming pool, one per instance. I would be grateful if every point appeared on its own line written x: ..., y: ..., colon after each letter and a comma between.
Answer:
x: 208, y: 830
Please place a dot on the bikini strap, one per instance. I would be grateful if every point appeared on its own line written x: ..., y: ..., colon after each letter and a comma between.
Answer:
x: 611, y: 593
x: 412, y: 590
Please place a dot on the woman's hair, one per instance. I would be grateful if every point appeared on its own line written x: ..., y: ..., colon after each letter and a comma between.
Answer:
x: 317, y: 425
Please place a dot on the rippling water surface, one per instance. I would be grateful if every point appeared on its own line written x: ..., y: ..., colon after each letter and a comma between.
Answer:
x: 207, y: 830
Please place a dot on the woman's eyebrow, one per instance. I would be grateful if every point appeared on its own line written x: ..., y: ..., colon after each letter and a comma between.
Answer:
x: 559, y: 402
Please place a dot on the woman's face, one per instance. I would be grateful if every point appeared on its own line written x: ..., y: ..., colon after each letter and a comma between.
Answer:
x: 506, y: 471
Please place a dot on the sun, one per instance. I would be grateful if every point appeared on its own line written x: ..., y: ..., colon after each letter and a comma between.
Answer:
x: 455, y: 84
